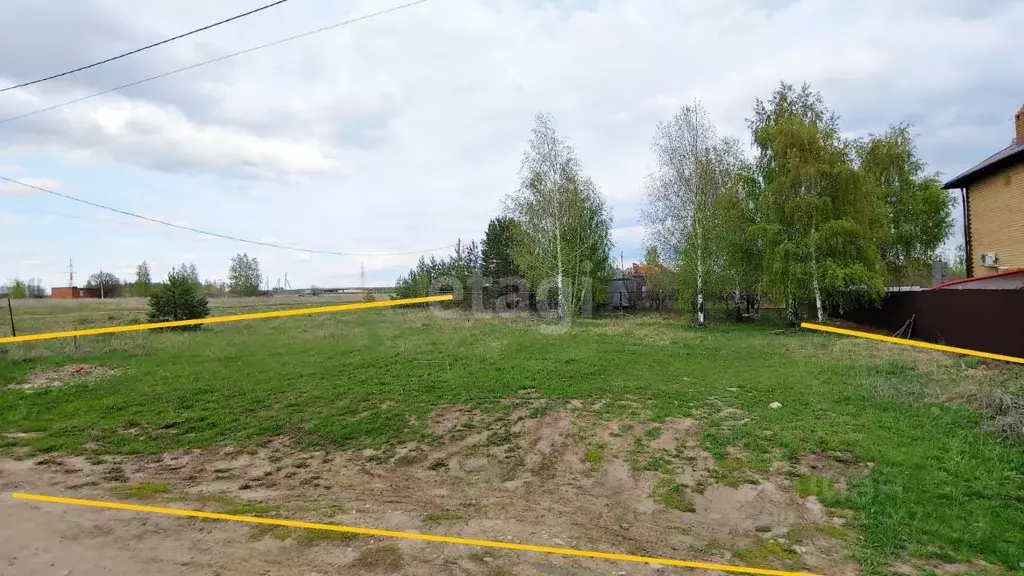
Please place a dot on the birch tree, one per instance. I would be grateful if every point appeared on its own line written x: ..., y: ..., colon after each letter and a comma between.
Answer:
x: 564, y: 223
x: 694, y: 166
x: 741, y: 248
x: 817, y: 208
x: 912, y: 214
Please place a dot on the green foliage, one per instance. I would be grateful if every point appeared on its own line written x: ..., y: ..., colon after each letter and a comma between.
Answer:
x: 693, y: 207
x: 564, y: 235
x: 497, y: 258
x: 244, y: 276
x: 459, y: 273
x: 912, y: 216
x: 16, y: 289
x: 179, y: 298
x: 215, y: 288
x: 816, y: 208
x: 742, y: 250
x: 143, y: 280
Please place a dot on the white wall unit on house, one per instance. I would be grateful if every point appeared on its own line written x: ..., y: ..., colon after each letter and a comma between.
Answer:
x: 989, y: 259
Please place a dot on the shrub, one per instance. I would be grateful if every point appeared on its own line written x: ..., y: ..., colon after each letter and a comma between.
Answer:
x: 369, y: 297
x: 17, y: 289
x: 178, y: 299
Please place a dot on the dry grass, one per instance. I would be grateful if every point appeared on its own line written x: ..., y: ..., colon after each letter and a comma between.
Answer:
x: 47, y: 315
x: 993, y: 388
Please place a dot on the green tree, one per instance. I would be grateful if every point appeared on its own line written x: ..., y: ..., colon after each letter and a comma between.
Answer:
x: 741, y: 250
x: 179, y: 298
x: 244, y: 276
x: 565, y: 225
x: 417, y: 282
x: 694, y: 167
x: 17, y: 289
x: 912, y: 216
x: 659, y: 280
x: 143, y: 279
x: 498, y: 258
x: 459, y: 273
x: 816, y: 208
x: 651, y: 257
x: 214, y: 288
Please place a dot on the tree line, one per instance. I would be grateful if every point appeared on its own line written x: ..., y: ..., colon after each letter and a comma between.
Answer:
x: 813, y: 216
x: 183, y: 297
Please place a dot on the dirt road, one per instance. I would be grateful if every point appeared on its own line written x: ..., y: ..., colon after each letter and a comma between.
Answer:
x: 511, y: 478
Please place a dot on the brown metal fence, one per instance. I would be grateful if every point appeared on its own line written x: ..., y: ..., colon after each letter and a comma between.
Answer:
x: 986, y: 320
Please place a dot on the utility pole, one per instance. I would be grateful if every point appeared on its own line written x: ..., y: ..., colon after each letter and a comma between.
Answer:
x: 71, y: 273
x: 101, y: 284
x: 287, y: 285
x: 362, y: 275
x: 622, y: 263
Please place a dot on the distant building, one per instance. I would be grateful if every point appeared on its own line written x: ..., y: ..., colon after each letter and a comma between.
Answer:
x: 991, y: 194
x: 74, y: 292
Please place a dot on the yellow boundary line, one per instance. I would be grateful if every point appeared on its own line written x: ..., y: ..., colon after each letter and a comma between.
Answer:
x: 220, y: 319
x: 406, y: 535
x: 914, y: 343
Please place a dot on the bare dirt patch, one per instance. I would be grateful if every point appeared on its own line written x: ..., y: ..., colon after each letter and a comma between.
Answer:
x: 62, y: 376
x: 839, y: 467
x: 558, y: 478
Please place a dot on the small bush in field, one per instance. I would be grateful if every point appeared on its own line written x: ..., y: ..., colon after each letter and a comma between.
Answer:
x: 178, y: 299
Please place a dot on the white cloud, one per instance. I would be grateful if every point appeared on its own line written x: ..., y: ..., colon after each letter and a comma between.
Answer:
x: 404, y: 132
x: 189, y: 256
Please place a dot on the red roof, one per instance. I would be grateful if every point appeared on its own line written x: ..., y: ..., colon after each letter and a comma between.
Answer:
x: 977, y: 278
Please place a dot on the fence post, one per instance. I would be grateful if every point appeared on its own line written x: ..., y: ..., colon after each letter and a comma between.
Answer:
x: 10, y: 311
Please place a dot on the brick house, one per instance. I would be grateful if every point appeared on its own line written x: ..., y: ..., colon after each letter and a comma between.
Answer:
x: 73, y: 292
x: 992, y: 196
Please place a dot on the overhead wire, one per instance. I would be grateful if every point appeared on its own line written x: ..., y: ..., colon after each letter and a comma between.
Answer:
x: 137, y: 50
x: 217, y: 234
x: 218, y: 59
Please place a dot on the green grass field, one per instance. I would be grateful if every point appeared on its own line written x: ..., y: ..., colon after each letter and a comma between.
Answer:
x: 940, y: 486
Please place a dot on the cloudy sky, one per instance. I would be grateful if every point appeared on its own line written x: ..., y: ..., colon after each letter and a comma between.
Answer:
x: 402, y: 133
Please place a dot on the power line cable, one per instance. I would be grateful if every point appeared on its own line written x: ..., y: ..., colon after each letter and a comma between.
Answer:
x: 218, y: 59
x: 217, y: 234
x: 137, y: 50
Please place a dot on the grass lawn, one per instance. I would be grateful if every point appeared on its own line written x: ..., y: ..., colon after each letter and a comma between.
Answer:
x: 939, y: 486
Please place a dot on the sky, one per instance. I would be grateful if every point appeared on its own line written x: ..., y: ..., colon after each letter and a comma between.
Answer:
x: 402, y: 133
